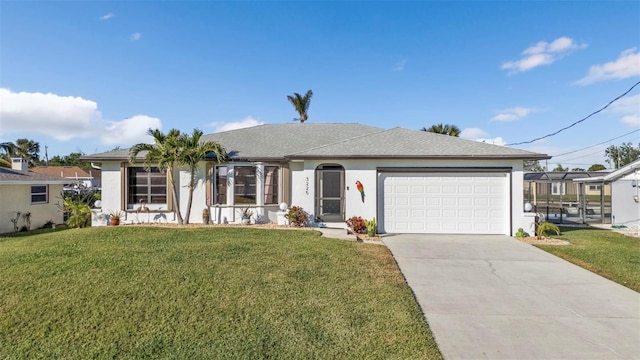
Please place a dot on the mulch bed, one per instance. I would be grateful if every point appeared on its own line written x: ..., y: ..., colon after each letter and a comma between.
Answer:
x: 543, y: 241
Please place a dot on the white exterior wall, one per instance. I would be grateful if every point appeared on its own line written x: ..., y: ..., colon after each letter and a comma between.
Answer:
x: 303, y: 189
x: 17, y: 198
x: 303, y: 184
x: 623, y: 205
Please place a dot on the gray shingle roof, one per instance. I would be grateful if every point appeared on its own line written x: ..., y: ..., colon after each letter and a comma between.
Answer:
x: 283, y: 141
x: 10, y: 176
x: 405, y: 143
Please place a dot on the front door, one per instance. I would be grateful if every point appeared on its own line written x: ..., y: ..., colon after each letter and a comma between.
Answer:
x: 330, y: 193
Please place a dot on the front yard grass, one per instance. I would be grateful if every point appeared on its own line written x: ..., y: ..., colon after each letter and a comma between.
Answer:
x: 140, y: 292
x: 604, y: 252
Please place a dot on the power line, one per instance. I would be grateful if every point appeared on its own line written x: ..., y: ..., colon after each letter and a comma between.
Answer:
x: 604, y: 142
x: 579, y: 121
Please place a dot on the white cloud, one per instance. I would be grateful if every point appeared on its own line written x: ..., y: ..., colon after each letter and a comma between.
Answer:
x: 234, y: 125
x: 129, y: 131
x: 61, y: 117
x: 627, y: 65
x: 512, y: 114
x: 66, y: 117
x: 480, y: 135
x: 632, y: 120
x: 542, y: 53
x: 400, y: 65
x: 472, y: 133
x: 629, y: 108
x: 135, y: 36
x: 107, y: 16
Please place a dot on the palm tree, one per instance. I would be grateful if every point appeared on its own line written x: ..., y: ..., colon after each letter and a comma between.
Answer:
x: 447, y: 129
x: 194, y: 151
x: 165, y: 154
x: 301, y: 104
x: 27, y: 149
x: 7, y: 151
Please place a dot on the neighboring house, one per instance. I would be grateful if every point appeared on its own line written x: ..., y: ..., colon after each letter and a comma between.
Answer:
x: 77, y: 177
x: 625, y: 201
x: 34, y: 196
x: 414, y: 181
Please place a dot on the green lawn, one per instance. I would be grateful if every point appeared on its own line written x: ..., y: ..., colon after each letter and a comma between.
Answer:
x: 604, y: 252
x: 152, y: 292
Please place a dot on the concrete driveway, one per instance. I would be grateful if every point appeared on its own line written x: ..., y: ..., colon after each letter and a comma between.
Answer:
x: 494, y: 297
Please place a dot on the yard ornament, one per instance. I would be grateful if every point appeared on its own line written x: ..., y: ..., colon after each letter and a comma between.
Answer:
x: 361, y: 189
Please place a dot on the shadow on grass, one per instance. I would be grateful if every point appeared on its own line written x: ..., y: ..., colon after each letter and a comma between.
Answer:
x: 33, y: 232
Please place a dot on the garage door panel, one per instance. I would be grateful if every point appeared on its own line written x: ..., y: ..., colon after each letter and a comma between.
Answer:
x: 463, y: 203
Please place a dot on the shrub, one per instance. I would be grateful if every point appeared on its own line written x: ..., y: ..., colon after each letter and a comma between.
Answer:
x: 356, y: 225
x: 296, y: 216
x: 521, y: 233
x: 545, y: 228
x: 371, y: 227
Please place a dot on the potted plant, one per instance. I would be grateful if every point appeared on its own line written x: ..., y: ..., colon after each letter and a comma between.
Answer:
x: 114, y: 217
x: 245, y: 216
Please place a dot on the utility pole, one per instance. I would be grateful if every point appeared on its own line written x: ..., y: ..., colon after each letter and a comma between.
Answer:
x: 46, y: 155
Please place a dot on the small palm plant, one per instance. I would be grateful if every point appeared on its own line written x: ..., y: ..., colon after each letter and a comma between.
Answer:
x: 545, y: 228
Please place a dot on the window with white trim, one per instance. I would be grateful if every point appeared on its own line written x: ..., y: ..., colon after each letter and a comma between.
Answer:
x: 595, y: 187
x: 39, y: 194
x: 245, y: 185
x: 220, y: 185
x: 149, y: 187
x: 558, y: 188
x: 271, y: 185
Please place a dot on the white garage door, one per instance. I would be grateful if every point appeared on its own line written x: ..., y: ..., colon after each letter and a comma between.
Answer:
x: 447, y: 203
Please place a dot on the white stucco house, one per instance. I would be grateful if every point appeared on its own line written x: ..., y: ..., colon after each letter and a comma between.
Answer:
x: 28, y: 199
x: 414, y: 181
x: 625, y: 194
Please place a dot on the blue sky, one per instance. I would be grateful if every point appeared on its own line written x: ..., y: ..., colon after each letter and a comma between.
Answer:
x: 90, y: 76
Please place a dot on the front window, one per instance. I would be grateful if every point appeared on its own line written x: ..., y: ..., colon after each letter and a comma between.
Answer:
x: 39, y: 194
x: 594, y: 187
x: 270, y: 185
x: 220, y: 185
x: 245, y: 185
x: 148, y: 187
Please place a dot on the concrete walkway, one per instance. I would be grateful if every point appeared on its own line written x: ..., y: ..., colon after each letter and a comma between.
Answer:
x: 493, y: 297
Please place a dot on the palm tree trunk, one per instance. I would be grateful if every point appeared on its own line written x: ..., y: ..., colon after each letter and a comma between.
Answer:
x: 175, y: 196
x: 190, y: 195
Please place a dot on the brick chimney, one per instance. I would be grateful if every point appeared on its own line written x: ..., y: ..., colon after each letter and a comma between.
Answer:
x: 19, y: 164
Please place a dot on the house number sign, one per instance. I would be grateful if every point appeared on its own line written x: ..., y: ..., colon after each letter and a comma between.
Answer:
x: 307, y: 186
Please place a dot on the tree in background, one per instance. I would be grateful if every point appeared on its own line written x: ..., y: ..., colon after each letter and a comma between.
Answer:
x: 72, y: 159
x: 596, y: 167
x: 619, y: 156
x: 164, y: 153
x: 193, y: 150
x: 559, y: 168
x: 445, y: 129
x: 7, y: 150
x: 533, y: 166
x: 22, y: 148
x: 301, y: 104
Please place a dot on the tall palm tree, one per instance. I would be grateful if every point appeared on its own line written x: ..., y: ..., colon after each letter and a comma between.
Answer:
x: 301, y: 104
x: 447, y: 129
x: 194, y: 151
x: 165, y: 154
